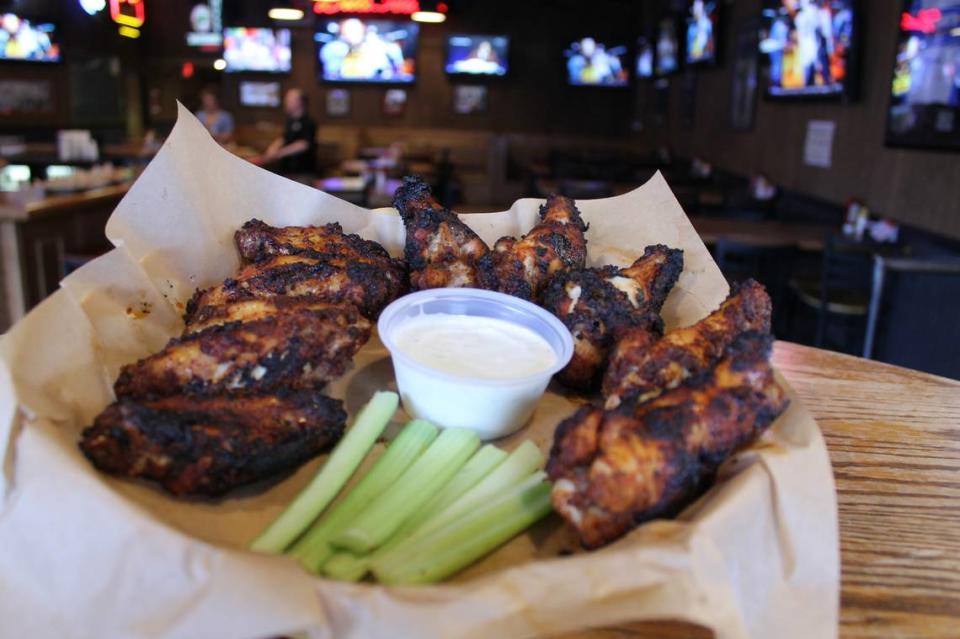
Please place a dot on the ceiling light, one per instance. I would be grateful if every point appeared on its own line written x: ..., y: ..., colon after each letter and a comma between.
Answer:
x: 428, y: 16
x: 220, y: 64
x: 285, y: 13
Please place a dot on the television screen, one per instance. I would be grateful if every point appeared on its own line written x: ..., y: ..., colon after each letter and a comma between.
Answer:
x: 668, y: 49
x: 809, y: 44
x: 477, y: 55
x: 925, y: 92
x: 644, y: 58
x: 260, y: 94
x: 361, y: 50
x: 206, y: 25
x: 702, y: 31
x: 21, y: 39
x: 592, y: 63
x: 251, y: 49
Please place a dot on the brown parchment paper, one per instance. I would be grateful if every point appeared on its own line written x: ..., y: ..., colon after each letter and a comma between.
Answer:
x: 86, y: 555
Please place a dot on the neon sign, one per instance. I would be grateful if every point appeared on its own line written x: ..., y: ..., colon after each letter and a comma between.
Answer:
x: 925, y: 21
x: 332, y: 7
x: 128, y: 13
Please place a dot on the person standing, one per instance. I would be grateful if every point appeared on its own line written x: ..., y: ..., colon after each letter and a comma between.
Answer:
x: 295, y: 152
x: 217, y: 121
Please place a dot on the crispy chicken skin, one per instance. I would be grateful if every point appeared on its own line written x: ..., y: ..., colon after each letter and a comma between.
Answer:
x: 302, y: 348
x: 207, y: 446
x: 615, y: 469
x: 522, y: 267
x: 440, y: 250
x: 645, y: 367
x: 367, y: 285
x: 598, y: 304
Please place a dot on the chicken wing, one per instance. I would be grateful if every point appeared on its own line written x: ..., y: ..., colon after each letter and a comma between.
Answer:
x: 207, y: 446
x: 440, y: 250
x: 640, y: 367
x: 615, y: 469
x: 255, y: 309
x: 304, y: 348
x: 367, y: 285
x: 597, y: 304
x: 556, y: 243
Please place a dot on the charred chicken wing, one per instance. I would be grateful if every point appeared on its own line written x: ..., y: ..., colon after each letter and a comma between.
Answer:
x: 369, y: 286
x: 598, y: 304
x: 556, y: 243
x: 302, y: 348
x: 207, y: 446
x: 440, y: 250
x: 646, y: 367
x: 617, y: 468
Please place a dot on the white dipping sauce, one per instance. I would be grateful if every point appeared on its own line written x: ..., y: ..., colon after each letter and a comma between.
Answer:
x: 472, y: 346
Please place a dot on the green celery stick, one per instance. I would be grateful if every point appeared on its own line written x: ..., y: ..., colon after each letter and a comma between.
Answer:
x: 343, y: 461
x: 425, y: 478
x: 348, y: 566
x: 452, y: 547
x: 313, y: 548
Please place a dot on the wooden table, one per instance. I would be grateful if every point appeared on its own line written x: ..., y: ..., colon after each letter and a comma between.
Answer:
x: 807, y: 237
x: 894, y: 440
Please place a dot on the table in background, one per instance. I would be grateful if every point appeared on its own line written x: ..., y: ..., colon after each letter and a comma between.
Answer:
x: 894, y: 441
x: 806, y: 237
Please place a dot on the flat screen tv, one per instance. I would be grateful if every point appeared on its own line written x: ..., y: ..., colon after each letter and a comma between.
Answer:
x: 27, y: 40
x: 667, y: 58
x: 810, y: 45
x: 644, y: 57
x: 477, y: 55
x: 593, y: 63
x: 260, y: 94
x: 702, y: 31
x: 925, y: 91
x: 257, y: 49
x: 367, y: 51
x: 206, y: 25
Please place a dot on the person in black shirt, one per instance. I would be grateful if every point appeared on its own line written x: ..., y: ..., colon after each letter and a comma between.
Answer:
x: 296, y: 152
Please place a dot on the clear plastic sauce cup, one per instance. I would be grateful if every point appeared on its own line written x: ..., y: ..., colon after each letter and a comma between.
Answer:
x: 491, y: 407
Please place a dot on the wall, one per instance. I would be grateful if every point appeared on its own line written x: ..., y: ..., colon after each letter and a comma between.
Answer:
x: 921, y: 188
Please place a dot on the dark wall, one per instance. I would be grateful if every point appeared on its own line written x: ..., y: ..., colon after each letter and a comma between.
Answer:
x: 921, y: 188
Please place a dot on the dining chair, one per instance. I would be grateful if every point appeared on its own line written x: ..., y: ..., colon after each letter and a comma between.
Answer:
x: 769, y: 264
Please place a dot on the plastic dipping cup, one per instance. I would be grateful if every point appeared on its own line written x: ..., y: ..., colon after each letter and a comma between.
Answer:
x: 490, y: 407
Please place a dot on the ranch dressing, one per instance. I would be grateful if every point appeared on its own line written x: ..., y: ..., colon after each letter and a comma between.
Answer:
x: 474, y: 346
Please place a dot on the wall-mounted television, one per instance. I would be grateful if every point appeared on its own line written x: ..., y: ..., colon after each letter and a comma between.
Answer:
x: 667, y: 59
x: 925, y: 92
x: 594, y: 63
x: 206, y: 25
x: 257, y: 49
x: 810, y: 45
x: 477, y: 55
x: 702, y: 30
x: 28, y: 40
x: 361, y: 50
x: 260, y: 94
x: 645, y: 57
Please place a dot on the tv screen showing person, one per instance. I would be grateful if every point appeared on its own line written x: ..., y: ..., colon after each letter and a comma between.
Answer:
x: 667, y: 59
x: 477, y: 55
x: 263, y: 50
x: 702, y: 32
x: 809, y: 44
x: 595, y: 64
x: 21, y: 39
x: 359, y: 50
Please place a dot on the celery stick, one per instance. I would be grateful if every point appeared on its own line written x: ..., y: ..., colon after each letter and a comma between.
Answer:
x: 425, y: 478
x: 343, y: 461
x: 450, y: 548
x: 348, y: 566
x: 313, y: 548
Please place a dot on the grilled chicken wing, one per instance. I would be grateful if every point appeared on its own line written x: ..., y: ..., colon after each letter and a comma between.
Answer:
x: 258, y: 241
x: 440, y: 250
x: 643, y: 366
x: 597, y: 304
x: 556, y: 243
x: 368, y: 285
x: 302, y: 348
x: 617, y: 468
x: 207, y: 446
